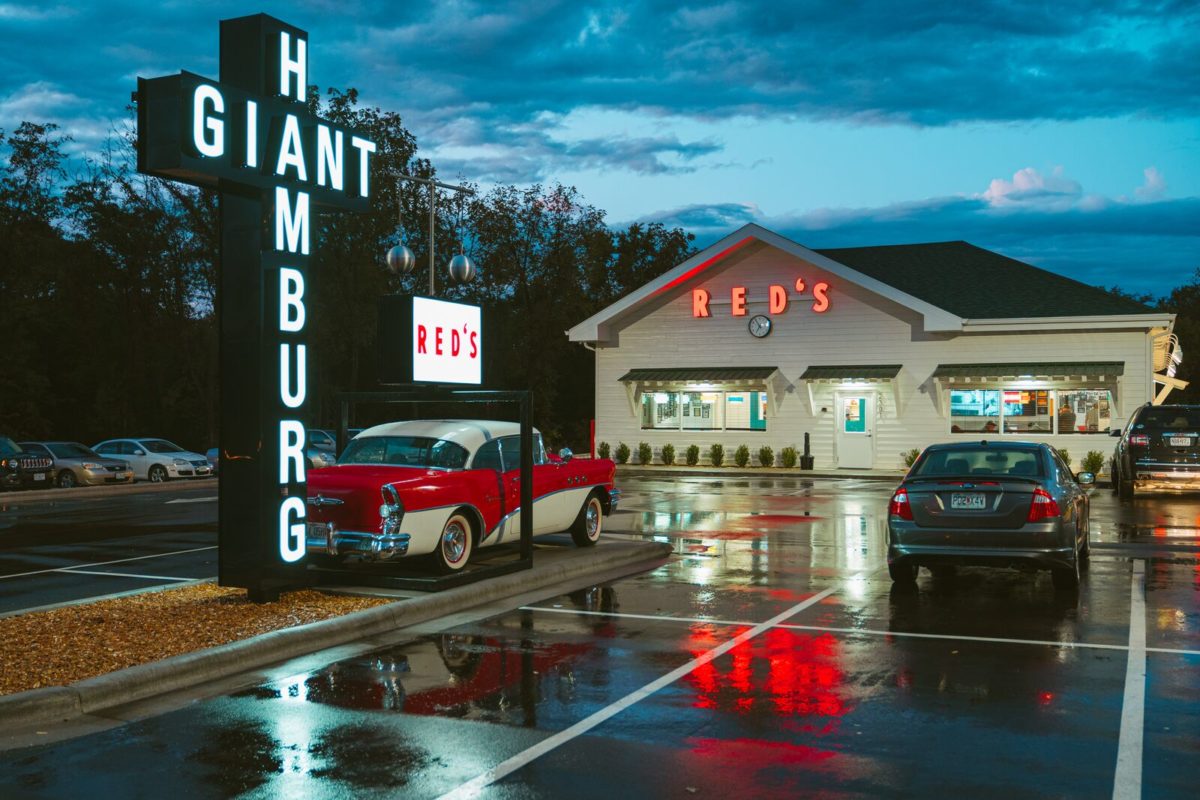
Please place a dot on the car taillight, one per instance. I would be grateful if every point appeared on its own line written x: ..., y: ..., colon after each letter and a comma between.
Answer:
x: 1042, y: 507
x: 1142, y: 439
x: 899, y: 506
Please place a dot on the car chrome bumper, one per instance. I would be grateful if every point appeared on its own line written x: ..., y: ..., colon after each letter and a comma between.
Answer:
x: 1166, y: 478
x: 614, y: 499
x: 325, y: 539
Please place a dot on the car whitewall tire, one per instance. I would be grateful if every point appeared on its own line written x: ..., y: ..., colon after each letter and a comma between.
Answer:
x: 585, y: 531
x: 454, y: 544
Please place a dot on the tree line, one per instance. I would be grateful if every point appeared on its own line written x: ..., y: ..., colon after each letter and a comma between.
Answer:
x: 108, y: 302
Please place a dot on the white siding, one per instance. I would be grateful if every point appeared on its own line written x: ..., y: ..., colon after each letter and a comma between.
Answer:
x: 859, y: 328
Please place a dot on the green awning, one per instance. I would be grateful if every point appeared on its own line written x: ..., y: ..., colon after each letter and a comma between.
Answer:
x: 699, y: 374
x: 849, y: 372
x: 1038, y: 369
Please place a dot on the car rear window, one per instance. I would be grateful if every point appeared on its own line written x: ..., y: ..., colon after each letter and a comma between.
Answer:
x: 1175, y: 418
x: 982, y: 460
x: 405, y: 451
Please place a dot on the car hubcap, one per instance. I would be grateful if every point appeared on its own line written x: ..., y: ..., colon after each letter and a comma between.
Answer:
x: 454, y: 542
x: 593, y: 520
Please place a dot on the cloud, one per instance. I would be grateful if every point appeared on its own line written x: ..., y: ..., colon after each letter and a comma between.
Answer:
x: 1155, y: 186
x: 1142, y: 246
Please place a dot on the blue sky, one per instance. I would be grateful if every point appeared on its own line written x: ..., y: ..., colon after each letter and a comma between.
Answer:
x: 1066, y: 134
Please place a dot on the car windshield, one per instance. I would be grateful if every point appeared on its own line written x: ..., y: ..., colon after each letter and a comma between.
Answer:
x: 71, y: 450
x: 1177, y: 418
x: 8, y: 447
x: 161, y: 446
x: 405, y: 451
x: 982, y: 460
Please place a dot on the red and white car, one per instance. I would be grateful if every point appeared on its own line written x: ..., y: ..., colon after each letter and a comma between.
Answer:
x: 447, y: 487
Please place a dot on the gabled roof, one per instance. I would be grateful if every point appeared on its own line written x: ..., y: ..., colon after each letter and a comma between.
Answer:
x: 978, y: 284
x: 954, y: 286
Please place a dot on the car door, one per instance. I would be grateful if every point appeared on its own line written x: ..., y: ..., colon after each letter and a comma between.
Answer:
x: 128, y: 450
x: 1074, y: 498
x: 546, y: 518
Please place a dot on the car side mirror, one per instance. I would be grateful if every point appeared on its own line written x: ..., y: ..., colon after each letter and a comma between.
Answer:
x: 1085, y: 478
x: 565, y: 454
x: 139, y: 452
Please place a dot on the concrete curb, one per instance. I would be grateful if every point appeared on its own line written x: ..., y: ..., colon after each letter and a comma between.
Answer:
x: 61, y: 703
x: 92, y: 492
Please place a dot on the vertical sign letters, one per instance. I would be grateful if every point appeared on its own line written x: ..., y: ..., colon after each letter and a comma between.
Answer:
x: 251, y: 137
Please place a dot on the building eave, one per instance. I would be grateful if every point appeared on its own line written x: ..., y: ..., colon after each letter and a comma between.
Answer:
x: 1107, y: 322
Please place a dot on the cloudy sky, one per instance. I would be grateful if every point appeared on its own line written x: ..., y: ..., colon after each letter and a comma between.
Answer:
x: 1066, y: 134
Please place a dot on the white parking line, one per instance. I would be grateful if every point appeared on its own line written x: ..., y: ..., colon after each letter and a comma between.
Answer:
x: 1127, y: 783
x: 68, y: 570
x: 105, y: 563
x: 474, y: 787
x: 866, y: 631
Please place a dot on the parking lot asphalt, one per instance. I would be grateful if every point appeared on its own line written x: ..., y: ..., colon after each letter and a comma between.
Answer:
x: 771, y: 657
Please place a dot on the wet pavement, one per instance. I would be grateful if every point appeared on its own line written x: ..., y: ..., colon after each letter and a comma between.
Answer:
x: 988, y: 684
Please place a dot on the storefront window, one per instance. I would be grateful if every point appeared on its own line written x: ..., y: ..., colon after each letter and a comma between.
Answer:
x: 974, y: 410
x: 1084, y: 411
x: 660, y: 410
x: 704, y: 411
x: 1027, y: 411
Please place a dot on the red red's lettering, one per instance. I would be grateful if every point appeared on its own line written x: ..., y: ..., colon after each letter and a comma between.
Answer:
x: 738, y: 299
x: 437, y: 340
x: 454, y: 342
x: 779, y: 299
x: 422, y: 334
x: 821, y: 300
x: 699, y: 302
x: 474, y: 344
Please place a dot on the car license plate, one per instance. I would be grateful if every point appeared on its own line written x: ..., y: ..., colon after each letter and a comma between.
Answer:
x: 1181, y: 441
x: 39, y: 476
x: 968, y: 501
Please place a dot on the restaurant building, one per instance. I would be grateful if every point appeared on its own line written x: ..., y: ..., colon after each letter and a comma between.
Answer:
x: 872, y: 351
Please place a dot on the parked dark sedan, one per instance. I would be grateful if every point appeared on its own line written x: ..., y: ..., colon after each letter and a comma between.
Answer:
x: 1159, y: 450
x: 1000, y: 504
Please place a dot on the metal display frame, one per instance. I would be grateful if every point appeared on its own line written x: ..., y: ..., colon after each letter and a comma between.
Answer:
x: 523, y: 399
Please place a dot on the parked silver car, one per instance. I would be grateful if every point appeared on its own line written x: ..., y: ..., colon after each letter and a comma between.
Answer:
x: 156, y: 460
x: 1000, y: 504
x: 77, y: 465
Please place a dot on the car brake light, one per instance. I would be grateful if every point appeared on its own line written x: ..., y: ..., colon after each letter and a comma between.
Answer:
x: 1042, y: 507
x: 899, y: 506
x: 1142, y: 439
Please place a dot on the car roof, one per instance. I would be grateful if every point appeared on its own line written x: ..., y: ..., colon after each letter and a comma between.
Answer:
x: 469, y: 433
x: 991, y: 443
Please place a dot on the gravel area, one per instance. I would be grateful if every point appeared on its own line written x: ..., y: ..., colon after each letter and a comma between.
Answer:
x: 55, y: 648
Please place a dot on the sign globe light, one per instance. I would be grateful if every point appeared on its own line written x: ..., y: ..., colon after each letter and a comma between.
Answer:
x: 462, y: 269
x: 401, y: 260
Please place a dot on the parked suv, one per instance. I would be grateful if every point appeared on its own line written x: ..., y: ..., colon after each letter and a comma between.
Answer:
x: 1159, y: 450
x: 22, y: 470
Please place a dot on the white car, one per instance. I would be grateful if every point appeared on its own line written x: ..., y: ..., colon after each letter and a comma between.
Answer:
x: 156, y: 460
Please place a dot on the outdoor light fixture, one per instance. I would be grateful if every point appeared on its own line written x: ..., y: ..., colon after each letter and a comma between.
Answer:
x: 400, y: 259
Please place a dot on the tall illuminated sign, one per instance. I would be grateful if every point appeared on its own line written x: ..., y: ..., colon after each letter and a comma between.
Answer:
x: 251, y: 137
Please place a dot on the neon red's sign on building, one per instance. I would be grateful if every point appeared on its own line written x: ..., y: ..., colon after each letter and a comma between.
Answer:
x: 778, y: 299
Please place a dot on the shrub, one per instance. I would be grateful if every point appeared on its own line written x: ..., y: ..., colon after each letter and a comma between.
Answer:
x: 766, y: 456
x: 668, y: 454
x: 910, y: 456
x: 645, y: 453
x: 1093, y: 462
x: 693, y: 455
x: 1066, y: 456
x: 787, y: 457
x: 622, y: 453
x: 716, y: 454
x: 604, y: 451
x: 741, y: 456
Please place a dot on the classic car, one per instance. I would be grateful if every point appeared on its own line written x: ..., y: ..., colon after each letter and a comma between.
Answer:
x: 446, y: 487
